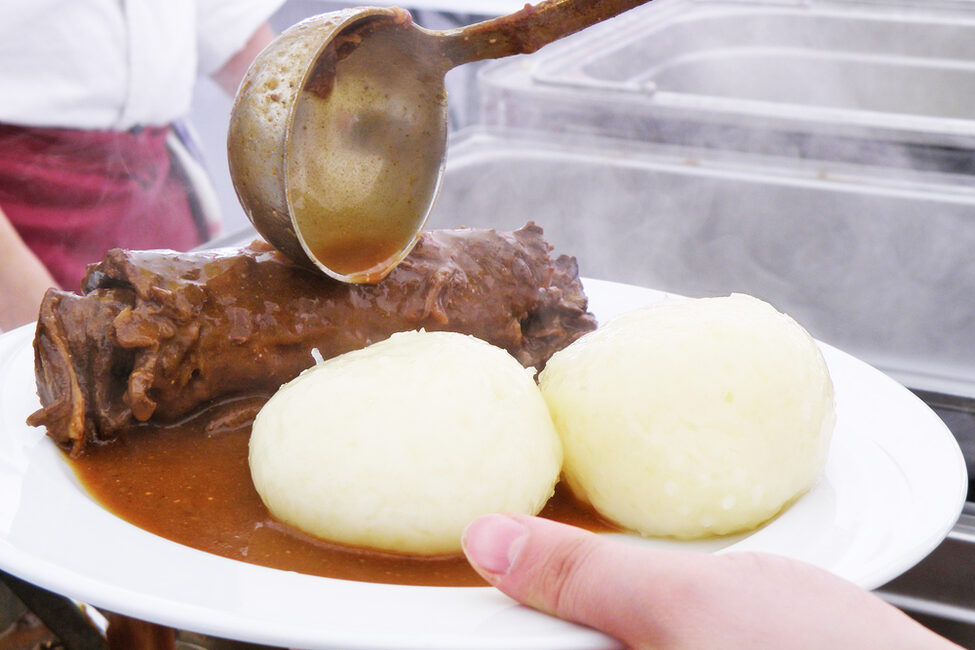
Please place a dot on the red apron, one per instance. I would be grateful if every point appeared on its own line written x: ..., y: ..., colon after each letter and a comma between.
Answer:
x: 72, y: 195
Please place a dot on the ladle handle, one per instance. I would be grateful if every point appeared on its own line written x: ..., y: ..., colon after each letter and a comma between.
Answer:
x: 528, y: 29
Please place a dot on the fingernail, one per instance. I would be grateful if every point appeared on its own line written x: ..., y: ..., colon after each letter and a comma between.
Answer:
x: 493, y: 542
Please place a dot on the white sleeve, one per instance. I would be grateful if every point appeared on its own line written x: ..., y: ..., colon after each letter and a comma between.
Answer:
x: 223, y: 27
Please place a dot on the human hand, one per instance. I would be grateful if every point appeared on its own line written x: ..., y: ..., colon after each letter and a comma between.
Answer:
x: 680, y: 599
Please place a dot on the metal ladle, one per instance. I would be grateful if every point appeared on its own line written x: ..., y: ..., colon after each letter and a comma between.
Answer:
x: 338, y: 133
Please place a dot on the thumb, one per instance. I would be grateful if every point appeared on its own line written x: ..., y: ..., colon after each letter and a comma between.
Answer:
x: 682, y: 599
x: 565, y: 571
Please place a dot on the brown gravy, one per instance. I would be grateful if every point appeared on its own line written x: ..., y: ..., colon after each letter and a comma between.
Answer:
x: 195, y: 489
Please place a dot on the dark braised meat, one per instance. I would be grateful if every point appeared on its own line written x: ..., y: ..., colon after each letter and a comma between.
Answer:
x: 159, y: 334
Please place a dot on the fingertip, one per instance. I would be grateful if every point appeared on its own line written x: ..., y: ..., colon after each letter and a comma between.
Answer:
x: 492, y: 543
x: 551, y: 566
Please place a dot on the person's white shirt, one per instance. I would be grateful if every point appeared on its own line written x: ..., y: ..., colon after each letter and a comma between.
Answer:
x: 114, y: 64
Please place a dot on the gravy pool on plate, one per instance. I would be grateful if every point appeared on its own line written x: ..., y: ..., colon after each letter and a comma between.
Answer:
x: 195, y: 489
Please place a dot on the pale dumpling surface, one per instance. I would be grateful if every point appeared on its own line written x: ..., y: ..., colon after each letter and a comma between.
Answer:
x: 692, y: 417
x: 398, y: 446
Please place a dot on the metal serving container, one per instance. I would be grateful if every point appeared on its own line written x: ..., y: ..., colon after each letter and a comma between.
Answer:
x: 886, y: 81
x: 878, y: 262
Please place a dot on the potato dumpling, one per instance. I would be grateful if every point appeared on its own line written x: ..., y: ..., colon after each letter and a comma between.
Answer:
x: 692, y: 417
x: 398, y: 446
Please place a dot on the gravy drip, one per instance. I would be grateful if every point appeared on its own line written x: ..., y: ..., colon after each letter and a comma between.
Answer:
x: 191, y: 484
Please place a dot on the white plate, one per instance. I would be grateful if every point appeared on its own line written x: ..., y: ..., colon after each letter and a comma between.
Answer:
x: 893, y: 486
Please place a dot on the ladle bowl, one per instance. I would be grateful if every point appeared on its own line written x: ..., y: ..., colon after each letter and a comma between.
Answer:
x: 338, y: 133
